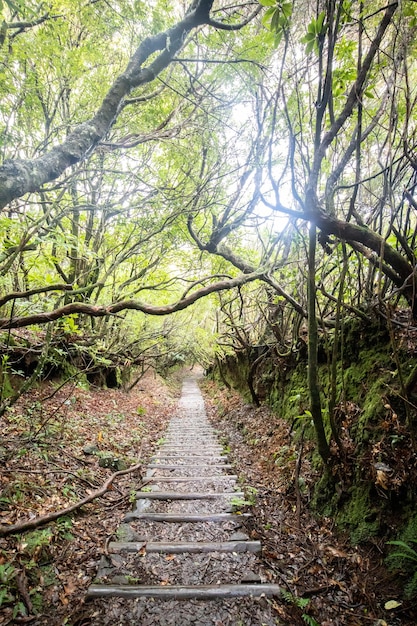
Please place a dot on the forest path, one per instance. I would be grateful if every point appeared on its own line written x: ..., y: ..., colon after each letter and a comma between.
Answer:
x: 183, y: 542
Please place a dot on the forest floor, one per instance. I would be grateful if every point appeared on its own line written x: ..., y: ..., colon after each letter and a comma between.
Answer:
x: 53, y: 444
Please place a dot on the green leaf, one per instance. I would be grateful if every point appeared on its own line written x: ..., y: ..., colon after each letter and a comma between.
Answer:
x: 268, y: 3
x: 267, y: 17
x: 277, y: 39
x: 275, y: 21
x: 320, y: 22
x: 310, y: 46
x: 308, y: 37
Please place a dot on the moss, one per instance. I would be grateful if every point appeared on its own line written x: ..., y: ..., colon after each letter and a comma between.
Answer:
x: 358, y: 516
x: 324, y: 499
x: 409, y: 533
x: 289, y: 395
x: 5, y: 385
x: 367, y: 380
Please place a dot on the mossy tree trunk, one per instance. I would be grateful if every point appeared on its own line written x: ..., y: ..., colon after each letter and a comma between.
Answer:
x: 313, y: 386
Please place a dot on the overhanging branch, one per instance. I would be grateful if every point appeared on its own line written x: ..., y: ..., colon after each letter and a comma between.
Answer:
x: 125, y: 305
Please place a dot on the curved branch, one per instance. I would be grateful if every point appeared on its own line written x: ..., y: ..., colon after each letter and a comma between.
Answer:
x: 133, y: 305
x: 223, y: 26
x: 51, y: 517
x: 18, y: 295
x: 394, y: 265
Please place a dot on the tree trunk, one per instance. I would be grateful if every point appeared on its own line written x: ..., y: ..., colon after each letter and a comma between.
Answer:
x: 313, y: 387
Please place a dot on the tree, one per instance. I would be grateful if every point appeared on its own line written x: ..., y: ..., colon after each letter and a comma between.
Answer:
x: 149, y: 176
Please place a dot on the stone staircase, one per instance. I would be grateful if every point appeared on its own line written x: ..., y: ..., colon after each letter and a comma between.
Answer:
x: 184, y: 540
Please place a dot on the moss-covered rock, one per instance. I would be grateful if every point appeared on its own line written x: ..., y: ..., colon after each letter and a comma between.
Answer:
x: 370, y: 415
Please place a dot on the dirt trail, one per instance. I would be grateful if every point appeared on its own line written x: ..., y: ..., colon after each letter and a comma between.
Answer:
x: 184, y: 541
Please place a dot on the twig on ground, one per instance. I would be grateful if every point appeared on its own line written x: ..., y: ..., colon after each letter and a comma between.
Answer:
x: 50, y: 517
x: 21, y: 582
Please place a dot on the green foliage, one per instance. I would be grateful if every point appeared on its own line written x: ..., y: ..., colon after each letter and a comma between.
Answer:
x: 405, y: 559
x: 69, y: 325
x: 33, y: 557
x: 237, y: 503
x: 315, y: 33
x: 310, y: 621
x: 300, y: 603
x: 277, y: 17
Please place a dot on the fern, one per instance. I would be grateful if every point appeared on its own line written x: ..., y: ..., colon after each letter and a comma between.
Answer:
x: 408, y: 553
x: 405, y: 558
x: 310, y: 621
x: 289, y: 597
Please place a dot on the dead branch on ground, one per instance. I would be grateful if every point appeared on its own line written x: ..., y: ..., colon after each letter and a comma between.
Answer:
x: 51, y: 517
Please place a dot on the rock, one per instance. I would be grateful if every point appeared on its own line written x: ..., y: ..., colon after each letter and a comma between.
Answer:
x: 126, y: 533
x: 238, y: 537
x: 90, y: 448
x: 112, y: 462
x: 251, y: 577
x: 119, y: 579
x: 107, y: 565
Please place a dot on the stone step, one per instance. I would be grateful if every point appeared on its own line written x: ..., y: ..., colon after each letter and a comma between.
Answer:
x: 180, y: 592
x: 178, y: 495
x: 179, y: 547
x: 184, y: 479
x: 190, y: 433
x: 179, y: 518
x: 191, y: 449
x: 190, y: 429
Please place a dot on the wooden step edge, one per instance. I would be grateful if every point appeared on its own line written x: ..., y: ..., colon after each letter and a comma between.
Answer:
x: 183, y: 518
x: 211, y: 442
x: 184, y: 592
x: 181, y: 428
x: 176, y: 495
x: 189, y: 465
x: 192, y: 450
x: 181, y: 479
x: 188, y: 458
x: 201, y: 450
x: 179, y: 547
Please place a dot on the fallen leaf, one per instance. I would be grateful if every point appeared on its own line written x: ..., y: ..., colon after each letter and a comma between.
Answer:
x: 70, y: 587
x: 391, y: 604
x: 336, y: 553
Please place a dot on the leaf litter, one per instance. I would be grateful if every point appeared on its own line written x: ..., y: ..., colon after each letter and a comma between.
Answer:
x: 47, y: 462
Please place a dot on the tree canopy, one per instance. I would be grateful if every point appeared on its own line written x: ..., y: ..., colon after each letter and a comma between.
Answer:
x: 158, y: 156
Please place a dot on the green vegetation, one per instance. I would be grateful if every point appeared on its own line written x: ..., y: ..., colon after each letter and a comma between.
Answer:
x: 33, y: 563
x: 232, y: 185
x: 405, y: 557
